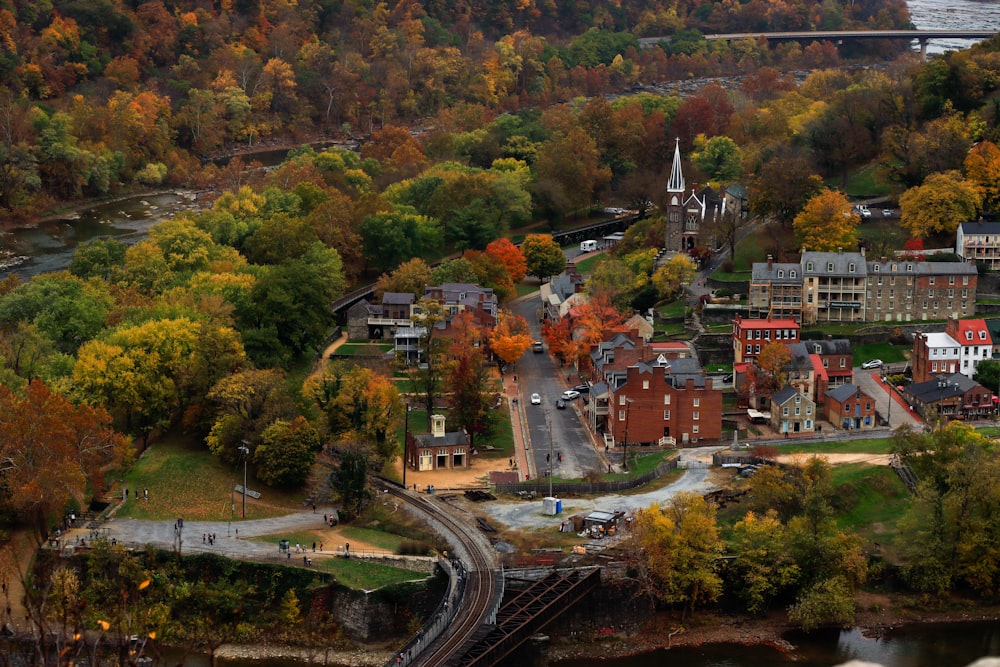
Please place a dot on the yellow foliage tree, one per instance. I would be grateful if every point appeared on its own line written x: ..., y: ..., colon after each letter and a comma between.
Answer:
x: 826, y: 223
x: 939, y: 205
x: 670, y: 278
x: 982, y: 167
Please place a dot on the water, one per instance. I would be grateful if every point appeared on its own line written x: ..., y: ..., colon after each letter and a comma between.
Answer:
x: 953, y: 15
x: 49, y: 245
x: 940, y: 645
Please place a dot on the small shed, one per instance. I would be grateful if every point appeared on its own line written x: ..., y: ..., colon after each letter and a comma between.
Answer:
x: 602, y: 523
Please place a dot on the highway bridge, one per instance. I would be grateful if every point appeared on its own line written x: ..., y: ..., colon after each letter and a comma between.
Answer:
x: 840, y: 36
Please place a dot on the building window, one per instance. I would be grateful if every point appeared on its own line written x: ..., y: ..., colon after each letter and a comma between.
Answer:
x: 934, y: 367
x: 909, y: 267
x: 875, y: 268
x: 894, y: 267
x: 798, y: 399
x: 826, y: 362
x: 965, y: 294
x: 843, y: 362
x: 850, y: 267
x: 696, y: 402
x: 925, y: 305
x: 809, y: 409
x: 868, y: 406
x: 695, y: 415
x: 621, y: 399
x: 809, y: 266
x: 880, y: 280
x: 792, y: 274
x: 645, y: 384
x: 666, y: 415
x: 781, y: 273
x: 621, y: 415
x: 951, y: 280
x: 756, y: 349
x: 878, y: 293
x: 951, y: 294
x: 798, y: 411
x: 784, y: 411
x: 847, y: 407
x: 829, y: 267
x: 930, y: 281
x: 694, y: 428
x: 666, y: 399
x: 965, y: 280
x: 749, y: 348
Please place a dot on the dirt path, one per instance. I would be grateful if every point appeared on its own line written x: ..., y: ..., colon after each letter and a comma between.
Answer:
x: 837, y: 459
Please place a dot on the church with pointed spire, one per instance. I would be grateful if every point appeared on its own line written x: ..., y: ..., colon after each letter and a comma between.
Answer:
x: 683, y: 225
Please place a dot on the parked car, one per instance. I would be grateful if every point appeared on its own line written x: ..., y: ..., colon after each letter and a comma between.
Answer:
x: 537, y: 346
x: 560, y: 404
x: 536, y: 399
x: 887, y: 212
x: 582, y: 388
x: 570, y: 394
x: 872, y: 363
x: 863, y: 211
x: 728, y: 377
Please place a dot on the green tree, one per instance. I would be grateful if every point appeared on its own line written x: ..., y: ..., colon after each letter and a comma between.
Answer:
x: 543, y: 255
x: 827, y: 223
x: 286, y: 452
x: 67, y: 310
x: 392, y: 238
x: 763, y: 567
x: 719, y: 158
x: 98, y: 258
x: 351, y: 480
x: 941, y: 204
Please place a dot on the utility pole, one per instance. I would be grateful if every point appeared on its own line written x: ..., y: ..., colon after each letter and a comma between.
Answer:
x: 246, y: 451
x: 406, y: 441
x: 628, y: 410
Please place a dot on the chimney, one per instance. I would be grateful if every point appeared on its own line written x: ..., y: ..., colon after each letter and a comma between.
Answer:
x: 770, y: 262
x: 840, y: 250
x: 829, y: 336
x: 862, y: 251
x: 437, y: 426
x: 881, y: 260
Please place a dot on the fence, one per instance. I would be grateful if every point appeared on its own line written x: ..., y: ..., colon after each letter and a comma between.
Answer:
x: 587, y: 488
x: 440, y: 620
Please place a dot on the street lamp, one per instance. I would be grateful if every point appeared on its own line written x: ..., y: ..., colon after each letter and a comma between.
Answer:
x: 246, y: 451
x: 628, y: 410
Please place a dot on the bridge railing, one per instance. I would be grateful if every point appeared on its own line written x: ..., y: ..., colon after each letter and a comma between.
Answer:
x: 440, y: 620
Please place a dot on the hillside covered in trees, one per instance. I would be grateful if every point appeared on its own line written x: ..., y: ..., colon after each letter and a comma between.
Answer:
x: 102, y: 95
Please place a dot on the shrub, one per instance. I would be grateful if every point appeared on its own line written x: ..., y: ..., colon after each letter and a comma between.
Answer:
x: 728, y: 266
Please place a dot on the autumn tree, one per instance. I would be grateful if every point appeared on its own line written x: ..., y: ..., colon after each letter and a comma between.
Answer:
x: 781, y: 187
x: 762, y: 568
x: 543, y: 256
x: 982, y: 168
x: 678, y: 547
x: 672, y: 275
x: 511, y: 257
x: 511, y: 337
x: 53, y: 452
x: 558, y: 337
x: 286, y: 452
x: 940, y: 205
x: 614, y: 281
x: 410, y: 277
x: 827, y: 223
x: 567, y: 175
x: 469, y: 381
x: 242, y: 405
x: 768, y: 370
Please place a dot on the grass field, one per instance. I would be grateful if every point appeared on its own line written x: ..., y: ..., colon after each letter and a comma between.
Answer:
x: 586, y: 267
x: 754, y: 248
x: 673, y: 309
x: 358, y: 574
x: 872, y: 500
x: 890, y: 354
x: 185, y: 480
x: 862, y: 182
x: 862, y: 446
x: 363, y: 349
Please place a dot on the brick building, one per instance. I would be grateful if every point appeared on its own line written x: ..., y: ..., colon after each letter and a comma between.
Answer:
x: 750, y: 335
x: 973, y: 337
x: 848, y: 407
x: 792, y: 412
x: 934, y: 354
x: 954, y: 396
x: 640, y: 397
x: 437, y: 450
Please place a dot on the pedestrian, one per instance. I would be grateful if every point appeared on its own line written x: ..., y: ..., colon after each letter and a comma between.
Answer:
x: 289, y: 554
x: 324, y: 518
x: 515, y: 378
x: 237, y: 533
x: 347, y: 546
x: 204, y: 538
x: 314, y: 508
x: 145, y: 493
x: 305, y: 560
x: 321, y: 547
x: 314, y: 547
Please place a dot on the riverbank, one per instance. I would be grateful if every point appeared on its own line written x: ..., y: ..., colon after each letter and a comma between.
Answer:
x: 877, y: 616
x: 326, y: 656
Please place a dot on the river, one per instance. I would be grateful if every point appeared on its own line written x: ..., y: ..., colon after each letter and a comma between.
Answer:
x: 953, y: 15
x: 939, y: 645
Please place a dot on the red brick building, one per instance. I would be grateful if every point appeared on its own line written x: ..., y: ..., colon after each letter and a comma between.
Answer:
x: 750, y: 336
x: 642, y: 402
x: 848, y: 407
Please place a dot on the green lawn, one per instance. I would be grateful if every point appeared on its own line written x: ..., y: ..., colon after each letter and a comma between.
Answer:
x: 862, y: 446
x: 586, y: 267
x: 881, y: 231
x: 890, y: 354
x: 363, y: 349
x: 525, y: 288
x: 753, y: 248
x: 361, y: 575
x: 673, y: 309
x: 872, y: 500
x: 185, y: 480
x: 640, y: 464
x: 862, y: 182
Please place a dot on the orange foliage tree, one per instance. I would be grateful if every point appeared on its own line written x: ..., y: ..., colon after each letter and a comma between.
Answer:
x: 52, y: 451
x: 511, y: 338
x: 511, y: 257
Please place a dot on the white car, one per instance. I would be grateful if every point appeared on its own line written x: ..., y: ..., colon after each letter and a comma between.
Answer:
x: 872, y: 363
x: 536, y: 399
x: 887, y: 213
x: 570, y: 394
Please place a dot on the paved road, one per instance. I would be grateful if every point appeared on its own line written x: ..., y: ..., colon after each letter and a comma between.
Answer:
x: 538, y: 373
x: 528, y: 514
x: 872, y: 385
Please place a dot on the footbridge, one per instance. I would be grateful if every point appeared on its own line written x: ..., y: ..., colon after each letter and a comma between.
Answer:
x: 840, y: 36
x: 525, y: 614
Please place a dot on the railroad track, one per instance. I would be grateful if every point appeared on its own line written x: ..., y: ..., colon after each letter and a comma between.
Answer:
x: 481, y: 583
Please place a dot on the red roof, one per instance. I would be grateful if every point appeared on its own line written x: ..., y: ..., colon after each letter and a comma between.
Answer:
x: 973, y: 332
x: 668, y: 345
x: 767, y: 324
x: 817, y: 362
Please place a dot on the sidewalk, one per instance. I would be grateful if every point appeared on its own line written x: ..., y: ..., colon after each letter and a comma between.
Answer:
x: 523, y: 462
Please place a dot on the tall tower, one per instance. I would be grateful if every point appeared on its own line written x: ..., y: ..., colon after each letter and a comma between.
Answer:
x: 675, y: 204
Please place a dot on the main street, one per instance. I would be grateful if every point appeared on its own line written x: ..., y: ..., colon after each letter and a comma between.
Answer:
x: 560, y: 431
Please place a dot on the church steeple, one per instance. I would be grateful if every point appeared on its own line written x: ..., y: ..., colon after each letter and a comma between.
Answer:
x: 676, y: 182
